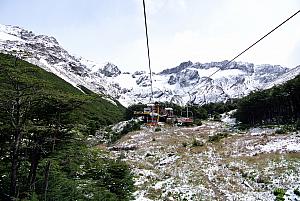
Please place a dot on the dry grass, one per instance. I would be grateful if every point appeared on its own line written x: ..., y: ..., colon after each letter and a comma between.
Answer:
x: 211, y: 169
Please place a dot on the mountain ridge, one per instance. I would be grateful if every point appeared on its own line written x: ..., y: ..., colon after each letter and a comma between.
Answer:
x: 186, y: 83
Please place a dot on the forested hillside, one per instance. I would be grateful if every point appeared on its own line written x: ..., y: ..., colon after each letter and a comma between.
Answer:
x: 278, y: 105
x: 44, y: 123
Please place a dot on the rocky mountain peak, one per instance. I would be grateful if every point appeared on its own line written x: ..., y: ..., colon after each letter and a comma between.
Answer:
x: 187, y: 82
x: 177, y: 69
x: 110, y: 70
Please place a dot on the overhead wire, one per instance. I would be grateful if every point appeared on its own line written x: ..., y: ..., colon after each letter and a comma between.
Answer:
x: 148, y: 49
x: 256, y: 42
x: 222, y: 67
x: 260, y: 39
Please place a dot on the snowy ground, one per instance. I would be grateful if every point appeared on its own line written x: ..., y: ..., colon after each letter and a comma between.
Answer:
x: 169, y: 165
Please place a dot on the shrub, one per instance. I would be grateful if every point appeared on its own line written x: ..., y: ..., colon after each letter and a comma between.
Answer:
x: 297, y: 191
x: 262, y: 179
x: 243, y: 127
x: 198, y: 122
x: 197, y: 143
x: 131, y: 126
x: 157, y: 129
x: 297, y: 124
x: 184, y: 144
x: 217, y: 117
x: 279, y: 198
x: 280, y: 131
x: 279, y: 193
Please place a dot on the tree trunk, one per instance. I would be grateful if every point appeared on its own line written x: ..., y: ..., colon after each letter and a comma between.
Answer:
x: 35, y: 157
x: 16, y: 122
x: 46, y: 180
x: 14, y: 162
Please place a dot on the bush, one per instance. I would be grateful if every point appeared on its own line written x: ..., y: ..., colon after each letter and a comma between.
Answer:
x: 297, y: 191
x: 131, y: 126
x: 184, y: 144
x: 197, y: 143
x: 243, y: 127
x: 280, y: 131
x: 198, y: 122
x: 157, y: 129
x: 297, y: 126
x: 279, y: 193
x: 217, y: 117
x: 262, y: 180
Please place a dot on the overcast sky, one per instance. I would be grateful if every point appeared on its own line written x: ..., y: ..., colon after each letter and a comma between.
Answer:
x: 179, y: 30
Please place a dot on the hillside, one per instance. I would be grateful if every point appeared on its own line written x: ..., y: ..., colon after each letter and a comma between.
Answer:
x: 212, y: 162
x: 218, y: 161
x: 45, y: 123
x: 100, y: 109
x: 277, y: 105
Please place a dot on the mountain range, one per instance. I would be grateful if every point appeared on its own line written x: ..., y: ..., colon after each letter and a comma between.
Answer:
x: 196, y: 83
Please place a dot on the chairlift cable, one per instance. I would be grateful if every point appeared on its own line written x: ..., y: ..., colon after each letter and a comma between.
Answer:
x: 225, y: 65
x: 148, y: 50
x: 256, y: 42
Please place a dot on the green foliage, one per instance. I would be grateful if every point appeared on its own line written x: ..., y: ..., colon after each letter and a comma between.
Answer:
x: 157, y: 129
x: 243, y: 126
x: 264, y: 180
x: 279, y: 193
x: 85, y: 90
x: 44, y: 120
x: 278, y: 105
x: 220, y: 108
x: 129, y: 127
x: 297, y: 191
x: 93, y: 174
x: 176, y: 108
x: 280, y: 131
x: 196, y: 143
x: 129, y: 114
x: 297, y: 125
x: 93, y: 110
x: 198, y: 122
x: 199, y: 112
x: 217, y: 117
x: 184, y: 144
x: 96, y: 112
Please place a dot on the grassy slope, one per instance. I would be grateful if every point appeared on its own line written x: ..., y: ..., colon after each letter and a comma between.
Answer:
x: 95, y: 109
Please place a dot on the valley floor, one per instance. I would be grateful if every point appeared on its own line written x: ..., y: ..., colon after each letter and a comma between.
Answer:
x: 184, y: 163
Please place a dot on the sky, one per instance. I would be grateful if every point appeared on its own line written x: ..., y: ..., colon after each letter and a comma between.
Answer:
x: 179, y: 30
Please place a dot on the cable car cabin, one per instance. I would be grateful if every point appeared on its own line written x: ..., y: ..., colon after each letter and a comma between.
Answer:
x: 154, y: 113
x: 186, y: 117
x: 170, y: 119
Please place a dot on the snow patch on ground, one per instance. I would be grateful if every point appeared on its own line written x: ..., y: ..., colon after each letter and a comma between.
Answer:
x: 6, y: 36
x: 164, y: 169
x: 281, y: 145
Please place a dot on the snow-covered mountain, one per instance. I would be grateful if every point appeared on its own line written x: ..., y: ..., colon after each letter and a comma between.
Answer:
x: 188, y: 82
